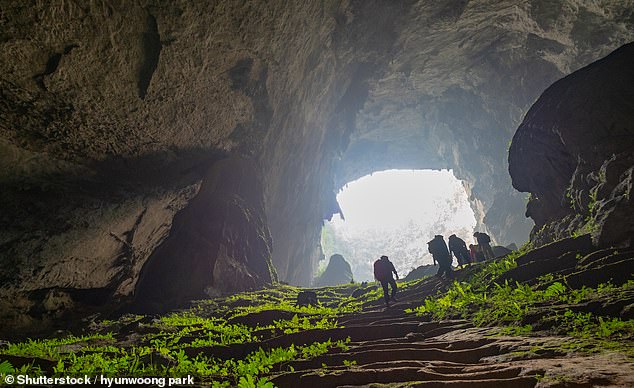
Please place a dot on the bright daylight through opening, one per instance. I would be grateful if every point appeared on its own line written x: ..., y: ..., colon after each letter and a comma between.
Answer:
x: 395, y: 213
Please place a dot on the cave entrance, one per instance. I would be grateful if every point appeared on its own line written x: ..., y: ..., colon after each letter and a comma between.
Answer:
x: 395, y: 213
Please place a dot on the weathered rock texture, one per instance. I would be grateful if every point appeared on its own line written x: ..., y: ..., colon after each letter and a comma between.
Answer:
x: 337, y: 272
x: 573, y: 153
x: 462, y: 75
x: 112, y: 115
x: 220, y: 242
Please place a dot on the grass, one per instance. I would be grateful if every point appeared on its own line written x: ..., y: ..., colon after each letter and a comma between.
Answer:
x: 54, y: 348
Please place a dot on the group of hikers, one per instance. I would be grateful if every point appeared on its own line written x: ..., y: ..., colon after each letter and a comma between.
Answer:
x: 441, y: 255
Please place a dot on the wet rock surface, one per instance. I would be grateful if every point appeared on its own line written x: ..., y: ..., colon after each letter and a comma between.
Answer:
x: 412, y: 352
x: 453, y: 354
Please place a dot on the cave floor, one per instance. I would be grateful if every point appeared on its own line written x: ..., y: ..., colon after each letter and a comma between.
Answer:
x: 453, y: 353
x: 509, y: 322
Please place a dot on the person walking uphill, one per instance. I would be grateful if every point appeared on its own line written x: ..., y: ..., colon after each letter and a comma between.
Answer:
x: 484, y: 240
x: 458, y: 247
x: 440, y: 253
x: 383, y: 269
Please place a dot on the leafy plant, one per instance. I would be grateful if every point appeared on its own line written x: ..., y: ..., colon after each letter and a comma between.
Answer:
x: 486, y: 302
x: 6, y: 368
x: 349, y: 363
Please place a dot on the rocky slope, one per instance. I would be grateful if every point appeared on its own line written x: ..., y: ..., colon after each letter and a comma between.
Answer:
x: 116, y: 117
x: 506, y: 323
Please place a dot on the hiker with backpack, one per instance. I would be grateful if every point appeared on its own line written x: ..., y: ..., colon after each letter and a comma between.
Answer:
x: 458, y: 247
x: 383, y: 269
x: 484, y: 241
x: 440, y: 253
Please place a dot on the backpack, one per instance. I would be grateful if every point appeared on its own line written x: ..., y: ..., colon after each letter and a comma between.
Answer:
x: 380, y: 270
x: 485, y: 238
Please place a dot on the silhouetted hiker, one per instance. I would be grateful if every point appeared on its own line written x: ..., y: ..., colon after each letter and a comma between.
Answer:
x: 383, y: 269
x: 458, y: 247
x: 483, y: 240
x: 440, y: 254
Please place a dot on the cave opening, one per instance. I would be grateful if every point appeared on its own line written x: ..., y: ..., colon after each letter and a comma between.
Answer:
x: 395, y: 213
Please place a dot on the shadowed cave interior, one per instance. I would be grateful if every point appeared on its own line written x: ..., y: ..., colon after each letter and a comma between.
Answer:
x: 153, y: 154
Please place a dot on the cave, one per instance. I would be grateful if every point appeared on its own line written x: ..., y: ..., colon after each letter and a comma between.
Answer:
x: 396, y: 212
x: 154, y: 153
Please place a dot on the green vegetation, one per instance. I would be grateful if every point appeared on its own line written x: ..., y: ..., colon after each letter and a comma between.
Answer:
x: 183, y: 343
x: 486, y: 301
x: 589, y: 227
x: 54, y: 347
x: 111, y: 362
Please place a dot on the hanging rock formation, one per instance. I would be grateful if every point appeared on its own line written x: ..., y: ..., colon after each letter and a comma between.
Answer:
x: 573, y: 153
x: 114, y: 115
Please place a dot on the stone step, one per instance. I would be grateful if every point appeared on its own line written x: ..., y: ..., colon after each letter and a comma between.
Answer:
x: 516, y: 382
x: 446, y: 345
x: 466, y: 356
x: 355, y: 377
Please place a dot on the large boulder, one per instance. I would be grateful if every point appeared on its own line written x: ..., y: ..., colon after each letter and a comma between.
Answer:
x: 337, y: 272
x: 422, y: 271
x: 500, y: 250
x: 573, y: 153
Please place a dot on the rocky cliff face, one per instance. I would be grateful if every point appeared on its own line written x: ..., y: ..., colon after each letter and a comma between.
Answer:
x: 573, y: 153
x: 116, y: 117
x: 218, y: 243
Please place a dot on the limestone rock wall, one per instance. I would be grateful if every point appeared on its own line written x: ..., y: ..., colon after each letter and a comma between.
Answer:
x: 322, y: 94
x: 114, y: 116
x: 219, y: 243
x: 573, y: 153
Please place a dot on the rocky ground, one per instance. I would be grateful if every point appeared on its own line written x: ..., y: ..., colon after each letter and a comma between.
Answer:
x: 557, y: 316
x: 402, y: 351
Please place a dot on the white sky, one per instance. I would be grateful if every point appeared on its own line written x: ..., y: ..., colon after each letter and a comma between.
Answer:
x: 396, y: 212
